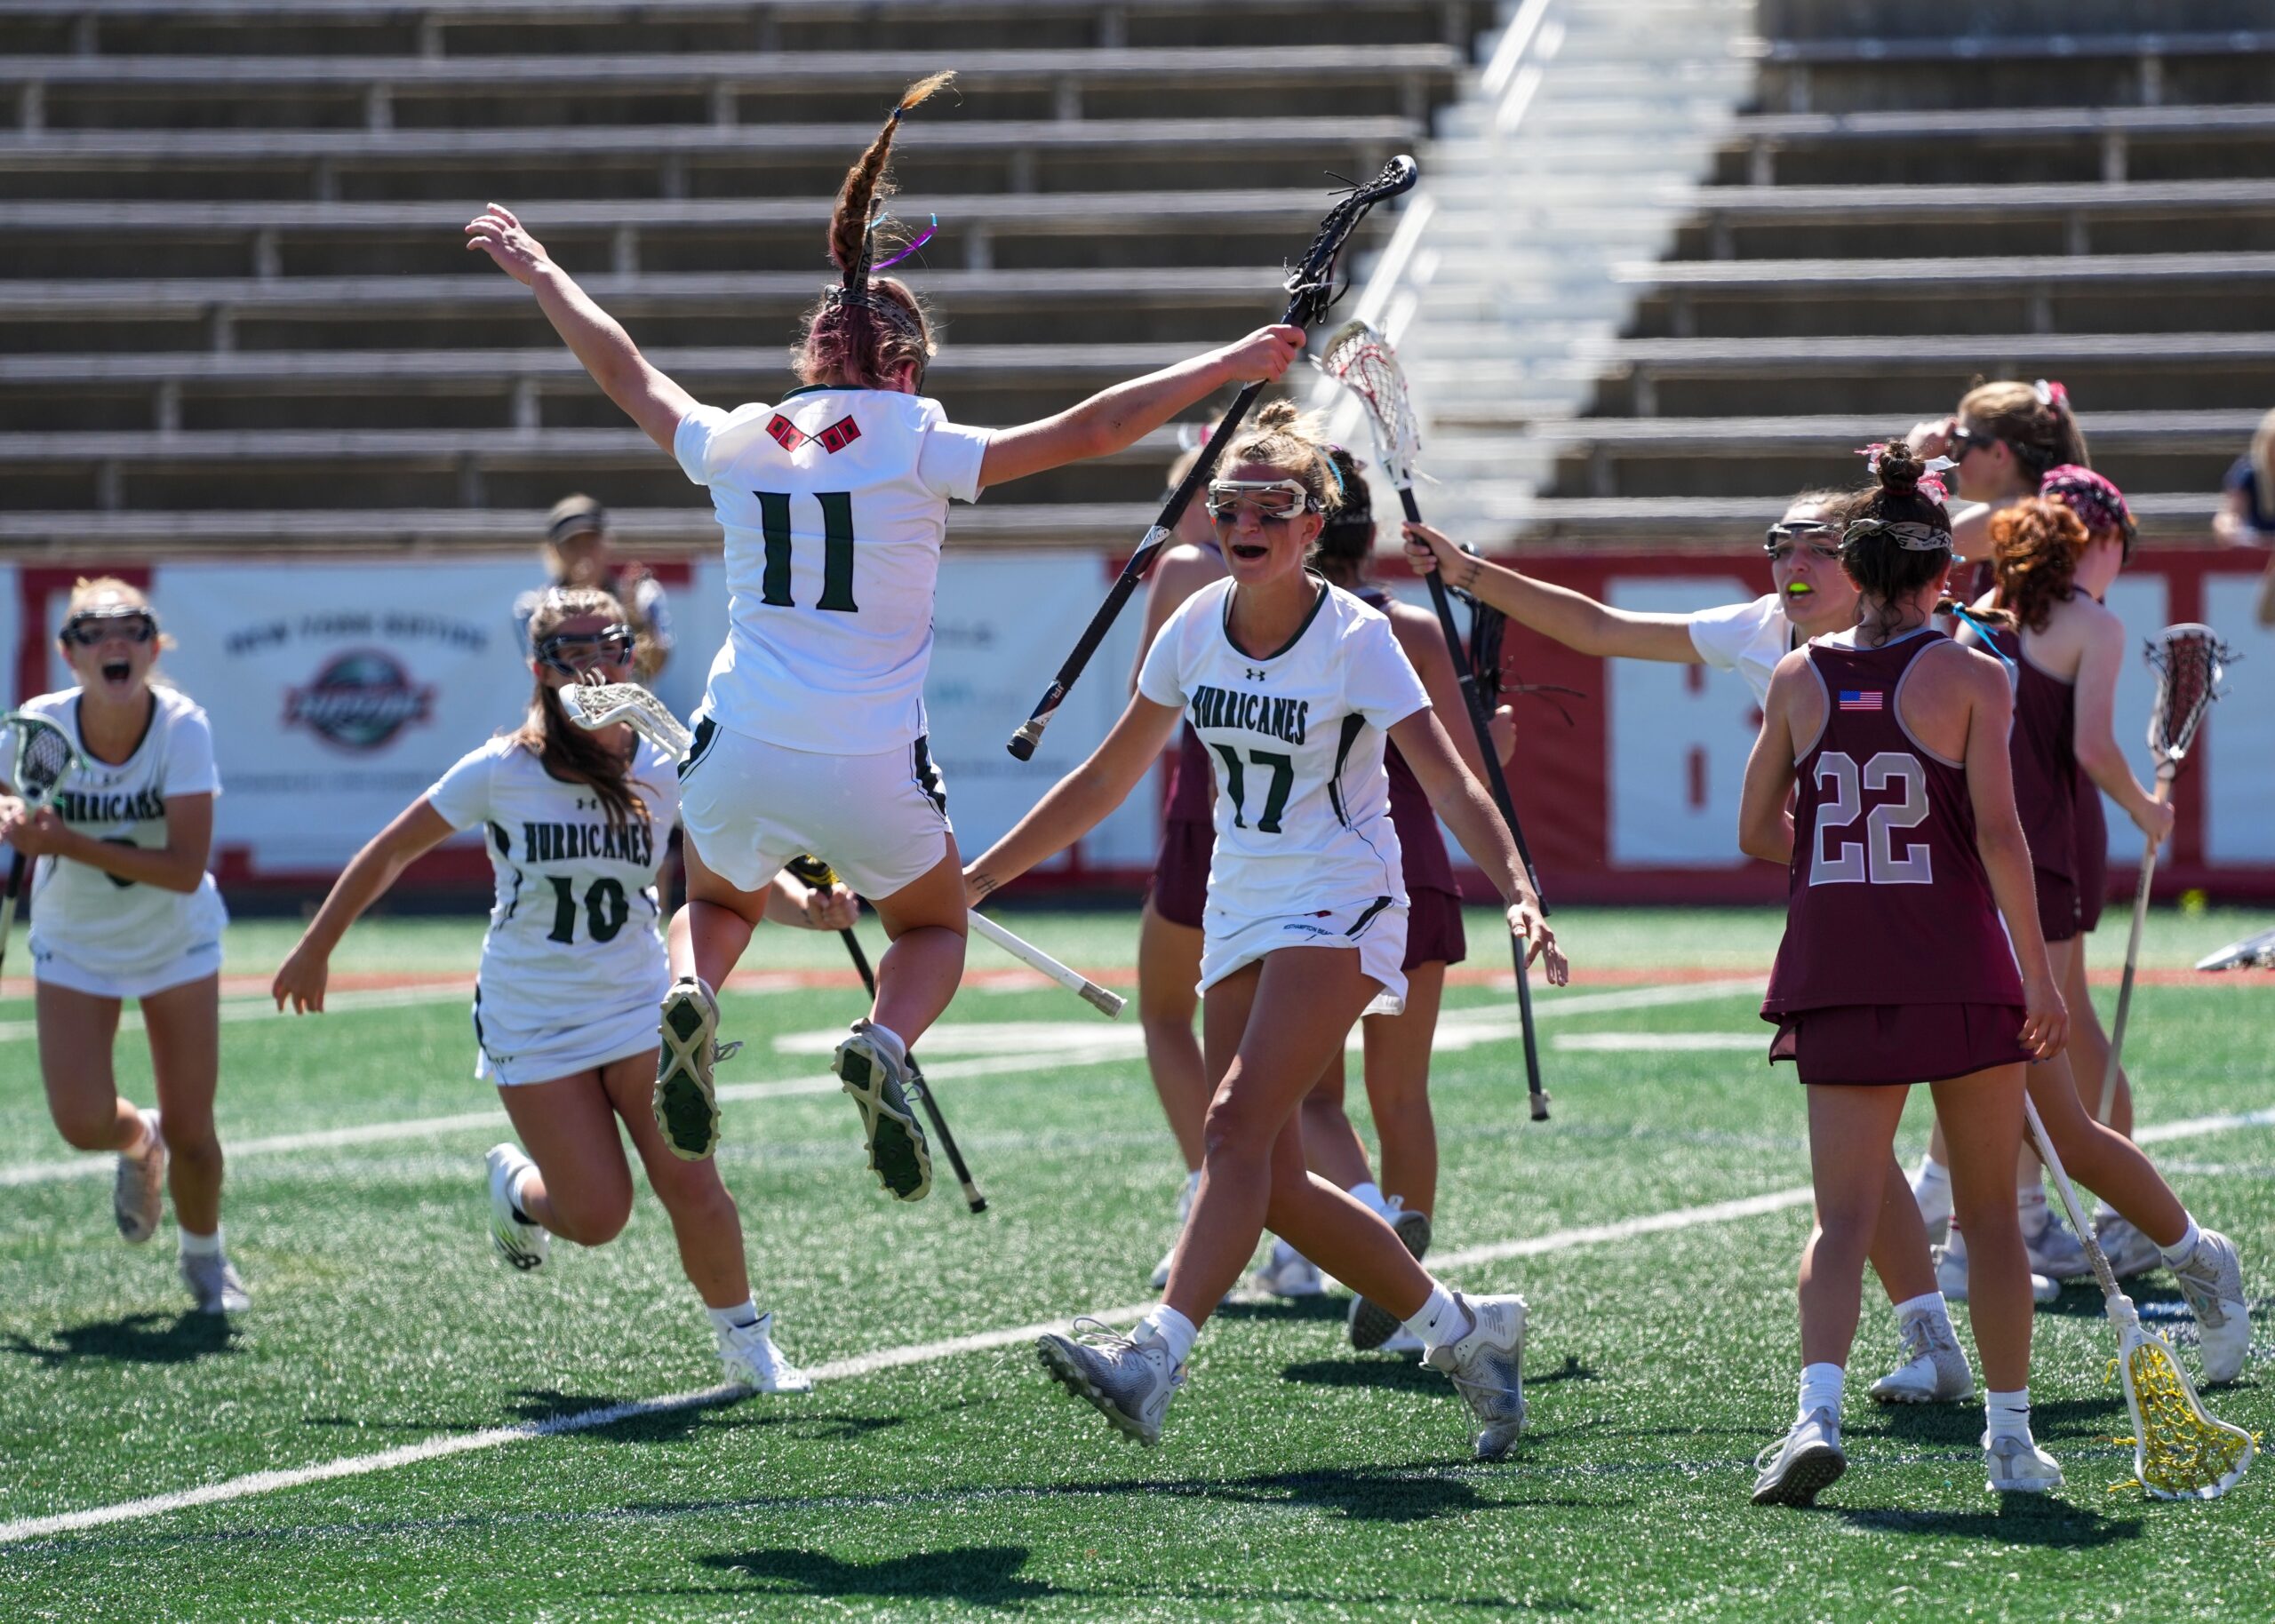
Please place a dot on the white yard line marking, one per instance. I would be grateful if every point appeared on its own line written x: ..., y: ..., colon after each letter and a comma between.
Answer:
x: 921, y: 1353
x: 1675, y: 1043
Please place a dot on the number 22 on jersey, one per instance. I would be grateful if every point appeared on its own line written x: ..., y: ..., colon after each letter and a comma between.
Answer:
x: 1842, y: 786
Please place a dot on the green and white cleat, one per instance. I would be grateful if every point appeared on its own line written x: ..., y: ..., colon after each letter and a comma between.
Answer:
x: 686, y: 1108
x: 520, y: 1242
x: 138, y: 1190
x: 1937, y: 1371
x: 1486, y: 1365
x: 215, y: 1284
x: 752, y: 1360
x: 2211, y: 1278
x: 2018, y: 1466
x: 874, y: 1078
x: 1372, y: 1325
x: 1129, y: 1379
x: 1801, y: 1465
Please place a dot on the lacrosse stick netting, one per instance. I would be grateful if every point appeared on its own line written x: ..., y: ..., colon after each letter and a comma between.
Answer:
x: 2179, y: 1450
x: 43, y: 759
x: 595, y: 706
x: 1361, y: 360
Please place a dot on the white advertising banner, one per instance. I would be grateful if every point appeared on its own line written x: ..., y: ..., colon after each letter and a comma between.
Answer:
x: 1679, y: 736
x: 339, y: 692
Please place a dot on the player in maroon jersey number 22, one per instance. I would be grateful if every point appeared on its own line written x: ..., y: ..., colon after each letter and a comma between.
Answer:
x: 1904, y: 849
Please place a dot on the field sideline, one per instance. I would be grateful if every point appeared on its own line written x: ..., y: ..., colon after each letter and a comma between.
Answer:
x: 404, y: 1429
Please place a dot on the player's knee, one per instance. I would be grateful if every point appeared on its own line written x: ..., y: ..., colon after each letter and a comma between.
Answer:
x: 87, y: 1128
x: 699, y: 1203
x: 594, y: 1219
x: 1234, y: 1127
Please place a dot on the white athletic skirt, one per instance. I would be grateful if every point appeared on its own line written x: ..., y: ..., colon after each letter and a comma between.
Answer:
x: 1378, y: 929
x: 197, y: 962
x: 511, y: 1055
x: 881, y: 821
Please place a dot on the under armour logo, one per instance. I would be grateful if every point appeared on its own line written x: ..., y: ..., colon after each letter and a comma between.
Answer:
x: 1252, y: 673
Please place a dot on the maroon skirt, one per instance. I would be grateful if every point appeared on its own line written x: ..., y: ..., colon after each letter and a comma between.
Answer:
x: 1433, y: 932
x: 2058, y: 911
x: 1180, y: 888
x: 1877, y: 1044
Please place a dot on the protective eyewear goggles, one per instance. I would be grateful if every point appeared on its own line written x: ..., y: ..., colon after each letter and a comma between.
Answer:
x: 90, y: 628
x: 1266, y: 498
x: 571, y: 652
x: 1820, y: 535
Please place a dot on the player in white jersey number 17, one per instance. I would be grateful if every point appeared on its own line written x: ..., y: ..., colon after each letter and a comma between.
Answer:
x: 811, y: 737
x: 576, y: 826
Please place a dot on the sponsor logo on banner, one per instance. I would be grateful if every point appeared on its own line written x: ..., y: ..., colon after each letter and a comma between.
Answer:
x: 359, y: 700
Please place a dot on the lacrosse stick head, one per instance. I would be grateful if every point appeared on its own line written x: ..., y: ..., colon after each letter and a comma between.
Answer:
x: 2252, y: 953
x: 1362, y: 361
x: 595, y: 706
x: 1311, y: 285
x: 43, y: 757
x: 2188, y: 660
x: 2180, y: 1452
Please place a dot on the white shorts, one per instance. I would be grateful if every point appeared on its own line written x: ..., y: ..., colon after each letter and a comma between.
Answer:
x: 1378, y: 929
x: 201, y: 960
x: 510, y: 1055
x: 881, y: 821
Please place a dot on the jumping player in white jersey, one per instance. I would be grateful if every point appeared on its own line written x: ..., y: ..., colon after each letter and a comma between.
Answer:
x: 577, y: 824
x: 1292, y: 685
x: 812, y: 735
x: 123, y: 907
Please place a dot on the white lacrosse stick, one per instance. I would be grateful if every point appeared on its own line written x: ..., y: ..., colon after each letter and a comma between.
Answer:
x: 601, y: 705
x: 2189, y: 661
x: 2179, y: 1450
x: 45, y: 757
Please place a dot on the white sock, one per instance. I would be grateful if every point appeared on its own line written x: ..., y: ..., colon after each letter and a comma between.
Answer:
x: 1372, y: 1196
x: 1931, y: 1174
x: 2030, y: 1201
x: 743, y: 1314
x: 889, y: 1039
x: 1171, y: 1329
x: 1955, y: 1243
x: 1821, y: 1387
x: 2179, y: 1251
x: 148, y: 1141
x: 513, y: 1188
x: 199, y: 1246
x: 1442, y: 1320
x: 1926, y: 1302
x: 2008, y: 1413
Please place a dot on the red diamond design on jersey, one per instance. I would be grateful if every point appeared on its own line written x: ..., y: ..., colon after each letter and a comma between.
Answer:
x: 788, y: 435
x: 838, y: 435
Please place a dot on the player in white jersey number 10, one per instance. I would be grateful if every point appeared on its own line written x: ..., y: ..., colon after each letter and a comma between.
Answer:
x: 811, y: 736
x: 123, y: 907
x: 576, y: 826
x: 1292, y: 685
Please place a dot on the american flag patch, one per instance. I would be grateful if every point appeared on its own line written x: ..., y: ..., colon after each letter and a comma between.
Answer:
x: 1862, y: 699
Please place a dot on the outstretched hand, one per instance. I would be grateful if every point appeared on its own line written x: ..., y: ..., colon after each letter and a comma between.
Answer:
x: 1428, y: 550
x: 496, y: 232
x: 1265, y: 355
x: 1528, y: 927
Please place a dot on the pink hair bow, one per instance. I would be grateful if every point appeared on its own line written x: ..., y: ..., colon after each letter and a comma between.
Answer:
x: 2052, y: 393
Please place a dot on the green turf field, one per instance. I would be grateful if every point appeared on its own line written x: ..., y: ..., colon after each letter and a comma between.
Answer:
x: 1295, y: 1481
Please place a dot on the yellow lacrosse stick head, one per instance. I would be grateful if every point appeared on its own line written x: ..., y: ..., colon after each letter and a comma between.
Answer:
x: 2180, y: 1452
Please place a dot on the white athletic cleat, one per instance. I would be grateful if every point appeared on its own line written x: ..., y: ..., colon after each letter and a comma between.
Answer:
x: 686, y: 1108
x: 2129, y: 1252
x: 897, y: 1153
x: 1403, y: 1341
x: 1486, y: 1365
x: 1937, y: 1371
x: 1794, y: 1470
x: 1951, y: 1278
x: 2055, y: 1250
x: 1287, y: 1273
x: 138, y: 1192
x: 1185, y: 1191
x: 2016, y: 1466
x: 751, y: 1359
x: 1935, y: 1199
x: 1129, y: 1379
x: 2211, y: 1278
x: 521, y: 1243
x: 1372, y: 1325
x: 215, y: 1286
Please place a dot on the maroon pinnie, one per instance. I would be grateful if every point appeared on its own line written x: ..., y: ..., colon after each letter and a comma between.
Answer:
x: 2043, y: 749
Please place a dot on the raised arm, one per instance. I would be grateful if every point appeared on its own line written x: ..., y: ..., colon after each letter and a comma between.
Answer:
x: 1459, y: 798
x: 1114, y: 419
x: 647, y: 397
x: 1075, y: 804
x: 2093, y: 732
x: 1572, y: 619
x: 2006, y: 852
x: 418, y: 829
x: 1765, y: 823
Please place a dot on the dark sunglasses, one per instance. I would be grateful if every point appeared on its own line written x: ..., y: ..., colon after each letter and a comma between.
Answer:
x: 91, y: 628
x: 1786, y: 534
x: 571, y: 652
x: 1964, y: 440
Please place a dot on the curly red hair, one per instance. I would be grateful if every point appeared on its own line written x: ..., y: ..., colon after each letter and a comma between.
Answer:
x: 2034, y: 549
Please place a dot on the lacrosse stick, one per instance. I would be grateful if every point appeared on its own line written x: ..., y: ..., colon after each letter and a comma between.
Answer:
x: 2179, y: 1452
x: 1311, y: 291
x: 2189, y: 661
x: 1107, y: 1004
x: 815, y: 873
x: 2252, y: 953
x: 1361, y: 360
x: 45, y: 757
